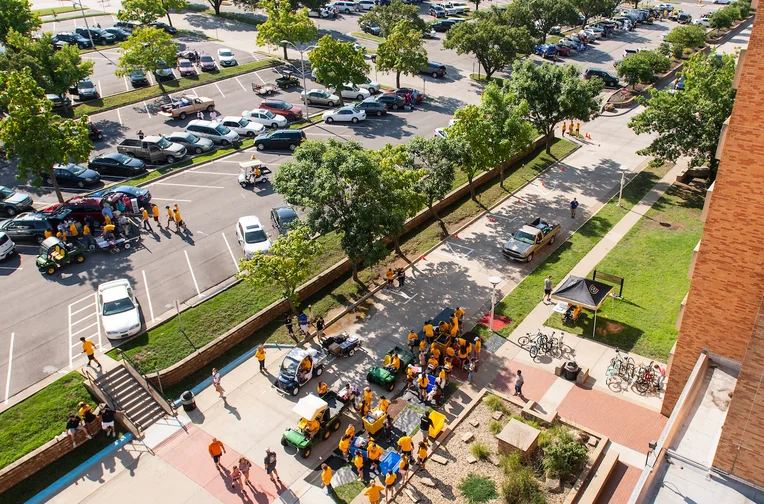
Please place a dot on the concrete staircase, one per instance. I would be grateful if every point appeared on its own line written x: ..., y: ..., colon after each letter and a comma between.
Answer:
x: 128, y: 395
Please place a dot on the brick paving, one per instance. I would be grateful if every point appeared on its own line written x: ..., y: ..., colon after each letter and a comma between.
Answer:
x: 622, y: 421
x: 619, y: 486
x: 537, y: 382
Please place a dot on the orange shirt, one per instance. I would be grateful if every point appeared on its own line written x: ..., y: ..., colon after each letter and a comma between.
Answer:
x: 374, y: 492
x: 215, y: 448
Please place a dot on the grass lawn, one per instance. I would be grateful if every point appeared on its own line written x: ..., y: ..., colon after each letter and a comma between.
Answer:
x: 54, y: 10
x: 653, y: 258
x: 237, y: 16
x: 122, y: 99
x: 527, y: 294
x: 553, y: 39
x: 367, y: 36
x: 482, y: 78
x: 344, y: 494
x: 38, y: 419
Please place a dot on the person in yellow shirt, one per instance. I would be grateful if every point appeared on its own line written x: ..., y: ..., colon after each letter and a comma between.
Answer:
x: 260, y: 354
x: 450, y: 353
x: 423, y: 382
x: 61, y: 236
x: 422, y: 345
x: 106, y: 220
x: 409, y: 377
x: 350, y: 431
x: 444, y: 327
x: 145, y: 219
x: 406, y: 444
x: 390, y: 274
x: 432, y: 363
x: 435, y: 352
x: 322, y: 388
x: 170, y: 216
x: 403, y: 468
x: 87, y: 236
x: 155, y: 215
x: 311, y: 428
x: 48, y: 233
x: 374, y: 452
x: 454, y: 330
x: 412, y: 338
x: 395, y: 364
x: 390, y: 478
x: 367, y: 396
x: 89, y: 348
x: 326, y: 478
x: 461, y: 342
x: 478, y: 346
x: 384, y: 403
x: 463, y: 354
x: 443, y: 376
x: 429, y: 330
x: 344, y: 446
x: 73, y: 230
x: 358, y: 462
x: 459, y: 312
x: 373, y: 492
x: 422, y: 455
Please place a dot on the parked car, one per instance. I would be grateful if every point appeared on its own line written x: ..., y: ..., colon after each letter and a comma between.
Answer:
x: 443, y: 25
x: 282, y: 108
x: 78, y: 208
x: 323, y: 12
x: 71, y: 39
x: 138, y: 78
x: 373, y: 107
x: 344, y: 114
x: 392, y: 101
x: 31, y: 226
x: 128, y: 26
x: 58, y: 101
x: 265, y: 117
x: 437, y: 11
x: 163, y: 72
x: 370, y: 85
x: 154, y: 149
x: 207, y: 63
x: 73, y: 175
x: 299, y: 366
x: 182, y: 106
x: 86, y: 90
x: 115, y: 163
x: 366, y: 4
x: 213, y: 130
x: 371, y: 28
x: 354, y: 92
x: 98, y: 35
x: 684, y: 19
x: 185, y: 67
x: 346, y: 7
x: 119, y: 34
x: 562, y: 50
x: 434, y: 69
x: 251, y: 236
x: 702, y: 22
x: 243, y: 126
x: 319, y: 97
x: 282, y: 216
x: 529, y: 239
x: 118, y: 309
x: 7, y: 246
x: 191, y: 142
x: 545, y: 50
x: 226, y: 58
x: 164, y: 26
x: 609, y: 79
x: 280, y: 139
x: 141, y: 195
x: 408, y: 94
x: 13, y: 202
x: 455, y: 8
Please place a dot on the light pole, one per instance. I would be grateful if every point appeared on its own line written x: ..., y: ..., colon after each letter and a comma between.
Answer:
x: 494, y: 281
x: 624, y: 169
x: 302, y: 65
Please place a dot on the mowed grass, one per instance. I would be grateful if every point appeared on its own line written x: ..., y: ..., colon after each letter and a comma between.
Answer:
x: 527, y: 294
x: 367, y: 36
x: 147, y: 93
x: 54, y: 10
x: 653, y: 258
x: 33, y: 422
x: 344, y: 494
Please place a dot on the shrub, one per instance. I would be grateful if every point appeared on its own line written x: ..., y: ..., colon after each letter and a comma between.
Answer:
x: 665, y: 49
x: 495, y: 403
x: 477, y: 489
x: 521, y: 487
x: 479, y: 450
x: 511, y: 462
x: 563, y: 455
x: 744, y: 6
x: 677, y: 50
x: 687, y: 36
x: 724, y: 18
x: 495, y: 426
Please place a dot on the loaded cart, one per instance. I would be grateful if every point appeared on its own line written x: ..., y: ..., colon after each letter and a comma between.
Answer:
x: 342, y: 345
x: 385, y: 377
x: 319, y: 418
x: 130, y: 237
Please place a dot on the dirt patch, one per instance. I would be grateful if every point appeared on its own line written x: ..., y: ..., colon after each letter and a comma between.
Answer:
x: 611, y: 328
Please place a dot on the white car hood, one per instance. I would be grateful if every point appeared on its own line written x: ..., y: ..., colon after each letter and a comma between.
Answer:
x: 251, y: 248
x: 121, y: 322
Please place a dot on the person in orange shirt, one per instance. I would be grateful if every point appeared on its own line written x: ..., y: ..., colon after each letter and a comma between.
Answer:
x: 155, y: 214
x: 145, y: 219
x: 260, y: 354
x: 89, y: 348
x: 170, y: 216
x: 345, y: 446
x: 326, y: 478
x: 403, y: 468
x: 216, y: 450
x: 373, y: 492
x: 389, y: 484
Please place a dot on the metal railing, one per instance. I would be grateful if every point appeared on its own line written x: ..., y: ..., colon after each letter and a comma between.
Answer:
x: 129, y: 363
x: 114, y: 403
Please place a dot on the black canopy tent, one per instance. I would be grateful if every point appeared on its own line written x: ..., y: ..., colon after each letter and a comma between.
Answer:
x: 583, y: 292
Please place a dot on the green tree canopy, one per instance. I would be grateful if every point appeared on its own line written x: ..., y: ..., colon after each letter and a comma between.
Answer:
x: 148, y: 49
x: 494, y: 44
x: 287, y: 264
x: 642, y: 67
x: 689, y: 123
x: 36, y: 137
x: 388, y: 16
x: 17, y: 15
x: 687, y: 36
x: 593, y: 8
x: 554, y: 93
x: 539, y: 16
x: 284, y: 24
x: 144, y: 11
x: 336, y: 63
x: 724, y: 17
x: 403, y: 51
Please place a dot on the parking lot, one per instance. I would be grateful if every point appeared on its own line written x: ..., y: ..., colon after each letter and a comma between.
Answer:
x: 50, y: 313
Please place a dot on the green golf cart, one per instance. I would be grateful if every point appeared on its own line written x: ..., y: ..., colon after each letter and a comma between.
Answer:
x: 325, y: 411
x: 54, y: 254
x: 381, y: 376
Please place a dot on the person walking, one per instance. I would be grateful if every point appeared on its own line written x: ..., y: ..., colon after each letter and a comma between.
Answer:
x: 244, y: 466
x: 403, y: 468
x: 236, y: 479
x: 547, y: 289
x: 140, y: 135
x: 302, y: 320
x: 260, y: 354
x: 155, y: 214
x: 270, y: 465
x: 213, y: 115
x: 477, y: 346
x: 170, y: 216
x: 422, y: 455
x: 89, y: 348
x: 563, y: 128
x: 389, y: 484
x: 390, y: 275
x: 107, y: 420
x: 373, y: 492
x: 519, y: 380
x: 289, y: 325
x: 145, y: 219
x: 216, y: 382
x: 216, y: 450
x: 326, y: 479
x: 358, y: 463
x: 179, y: 223
x: 320, y: 324
x: 401, y: 276
x: 573, y: 206
x: 73, y: 424
x: 344, y: 446
x: 406, y: 445
x: 578, y: 129
x: 87, y: 236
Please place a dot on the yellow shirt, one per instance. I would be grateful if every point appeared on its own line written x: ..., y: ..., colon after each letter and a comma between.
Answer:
x: 390, y: 479
x: 462, y: 342
x: 409, y: 372
x: 108, y: 227
x: 155, y: 211
x: 322, y: 388
x: 463, y: 353
x: 422, y: 345
x: 433, y: 362
x: 344, y: 444
x: 478, y: 344
x: 177, y: 216
x: 442, y: 374
x: 412, y: 336
x: 260, y: 354
x: 169, y: 212
x: 73, y: 229
x: 404, y: 464
x: 358, y: 461
x: 396, y: 363
x: 48, y: 234
x: 86, y: 229
x: 390, y: 274
x: 450, y: 351
x: 406, y: 443
x: 423, y: 381
x: 454, y: 330
x: 367, y: 396
x: 429, y: 330
x: 88, y: 346
x: 374, y: 452
x: 374, y: 492
x: 83, y: 411
x: 459, y: 313
x: 61, y: 236
x: 384, y: 404
x: 326, y: 476
x: 145, y: 214
x: 350, y: 431
x: 106, y: 219
x: 435, y: 353
x: 422, y: 452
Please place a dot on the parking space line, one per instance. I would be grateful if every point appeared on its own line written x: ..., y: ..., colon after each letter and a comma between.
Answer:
x: 186, y: 185
x: 193, y: 277
x: 85, y: 328
x: 231, y: 252
x: 258, y: 76
x: 171, y: 199
x: 9, y: 268
x: 148, y: 296
x: 10, y: 366
x: 216, y: 173
x: 147, y: 108
x: 216, y: 85
x: 100, y: 91
x: 82, y: 309
x: 127, y: 88
x: 193, y: 90
x: 250, y: 52
x: 240, y: 84
x: 119, y: 116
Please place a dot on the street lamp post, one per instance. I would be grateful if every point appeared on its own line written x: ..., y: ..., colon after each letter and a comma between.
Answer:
x: 302, y: 66
x: 624, y: 169
x: 494, y: 281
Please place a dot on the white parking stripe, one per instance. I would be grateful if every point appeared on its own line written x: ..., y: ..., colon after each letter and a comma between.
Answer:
x: 127, y: 88
x: 119, y: 116
x: 171, y: 199
x: 250, y: 52
x: 258, y: 76
x: 148, y: 296
x: 240, y: 84
x: 100, y: 91
x: 194, y: 91
x: 218, y: 87
x: 192, y: 274
x: 186, y: 185
x: 216, y: 173
x: 235, y: 263
x: 10, y: 366
x: 9, y: 268
x: 147, y: 108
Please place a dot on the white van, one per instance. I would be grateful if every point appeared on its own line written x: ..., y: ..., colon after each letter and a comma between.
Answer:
x: 346, y: 7
x: 215, y: 131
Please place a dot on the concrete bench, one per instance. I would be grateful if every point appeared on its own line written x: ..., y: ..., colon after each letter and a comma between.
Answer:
x: 599, y: 479
x: 583, y: 375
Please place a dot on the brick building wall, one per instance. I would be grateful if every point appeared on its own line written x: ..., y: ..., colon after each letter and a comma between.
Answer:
x: 723, y: 306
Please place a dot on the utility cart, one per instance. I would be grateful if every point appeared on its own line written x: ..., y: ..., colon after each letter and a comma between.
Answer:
x: 324, y: 411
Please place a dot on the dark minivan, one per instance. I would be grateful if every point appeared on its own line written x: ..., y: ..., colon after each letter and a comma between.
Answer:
x: 280, y: 139
x: 609, y: 79
x: 434, y: 69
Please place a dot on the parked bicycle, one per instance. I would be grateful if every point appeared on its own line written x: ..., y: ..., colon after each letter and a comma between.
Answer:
x: 558, y: 346
x: 621, y: 366
x: 645, y: 378
x: 543, y: 345
x: 538, y: 338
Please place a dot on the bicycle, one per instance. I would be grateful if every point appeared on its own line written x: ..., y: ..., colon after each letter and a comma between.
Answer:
x: 528, y: 338
x: 558, y: 346
x: 543, y: 344
x: 621, y: 366
x: 644, y: 378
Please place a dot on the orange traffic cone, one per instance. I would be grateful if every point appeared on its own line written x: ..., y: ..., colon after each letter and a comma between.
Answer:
x: 456, y: 236
x: 518, y: 200
x: 492, y: 219
x: 542, y: 184
x: 423, y: 258
x: 563, y: 167
x: 588, y: 136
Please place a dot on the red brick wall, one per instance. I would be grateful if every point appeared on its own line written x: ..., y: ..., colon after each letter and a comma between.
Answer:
x: 728, y: 281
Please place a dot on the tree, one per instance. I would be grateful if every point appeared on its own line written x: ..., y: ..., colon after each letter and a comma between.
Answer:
x: 642, y: 67
x: 148, y: 11
x: 287, y: 264
x: 284, y: 24
x: 687, y: 36
x: 388, y: 16
x: 493, y: 132
x: 689, y: 123
x: 17, y: 15
x: 216, y: 5
x: 554, y: 93
x: 725, y: 17
x: 341, y: 186
x: 539, y: 16
x: 336, y: 63
x: 593, y: 8
x: 494, y: 44
x: 35, y: 136
x: 148, y: 49
x: 477, y: 4
x: 402, y: 52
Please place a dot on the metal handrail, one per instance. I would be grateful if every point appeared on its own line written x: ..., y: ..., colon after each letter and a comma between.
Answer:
x: 130, y: 363
x: 114, y: 402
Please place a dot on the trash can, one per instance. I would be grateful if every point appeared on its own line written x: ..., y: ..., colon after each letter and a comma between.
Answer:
x: 187, y: 400
x: 570, y: 370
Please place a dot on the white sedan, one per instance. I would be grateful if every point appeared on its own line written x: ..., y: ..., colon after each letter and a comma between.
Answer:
x: 242, y: 126
x: 344, y: 114
x: 372, y: 86
x: 354, y: 92
x: 265, y: 117
x: 226, y: 58
x: 119, y: 309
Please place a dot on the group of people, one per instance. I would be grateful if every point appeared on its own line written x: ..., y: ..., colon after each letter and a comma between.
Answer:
x: 570, y: 128
x: 397, y: 274
x: 240, y: 469
x: 85, y: 415
x: 304, y: 322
